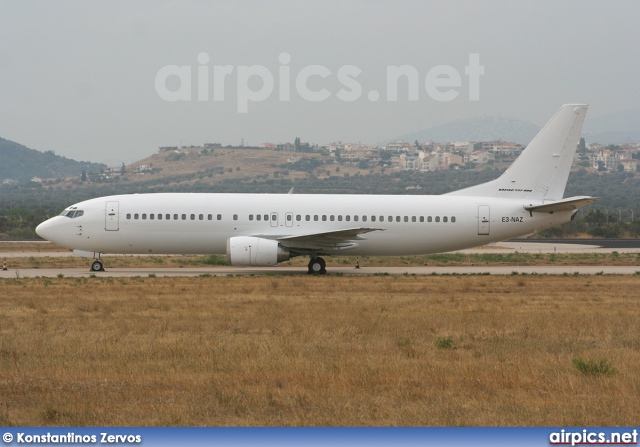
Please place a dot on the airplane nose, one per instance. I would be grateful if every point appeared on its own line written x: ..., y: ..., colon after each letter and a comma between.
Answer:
x: 46, y: 230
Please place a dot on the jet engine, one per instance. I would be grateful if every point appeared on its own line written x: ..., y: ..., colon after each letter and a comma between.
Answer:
x: 255, y: 251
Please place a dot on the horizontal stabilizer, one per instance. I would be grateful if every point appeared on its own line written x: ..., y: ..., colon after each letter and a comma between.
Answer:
x: 569, y: 204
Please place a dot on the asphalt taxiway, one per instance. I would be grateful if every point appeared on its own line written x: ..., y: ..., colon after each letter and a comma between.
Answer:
x: 521, y: 246
x: 501, y: 247
x: 278, y: 271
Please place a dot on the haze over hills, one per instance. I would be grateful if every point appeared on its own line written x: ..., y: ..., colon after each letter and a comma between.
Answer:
x: 19, y: 163
x: 476, y: 129
x: 615, y: 128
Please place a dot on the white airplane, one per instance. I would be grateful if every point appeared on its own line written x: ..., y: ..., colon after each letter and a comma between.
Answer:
x: 265, y: 229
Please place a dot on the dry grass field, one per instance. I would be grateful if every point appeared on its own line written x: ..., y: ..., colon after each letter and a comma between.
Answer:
x: 321, y: 351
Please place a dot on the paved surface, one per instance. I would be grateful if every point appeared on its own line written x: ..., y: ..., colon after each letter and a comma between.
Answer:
x: 302, y: 271
x: 512, y: 246
x: 501, y: 247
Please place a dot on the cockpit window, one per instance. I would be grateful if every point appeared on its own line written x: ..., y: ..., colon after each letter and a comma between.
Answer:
x: 72, y: 213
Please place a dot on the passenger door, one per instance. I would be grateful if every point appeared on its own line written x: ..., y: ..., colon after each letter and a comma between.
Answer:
x: 111, y: 222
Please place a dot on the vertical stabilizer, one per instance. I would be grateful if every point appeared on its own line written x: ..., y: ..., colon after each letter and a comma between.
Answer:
x: 542, y: 170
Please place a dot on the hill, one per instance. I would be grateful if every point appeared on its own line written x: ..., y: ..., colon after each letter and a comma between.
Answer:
x: 615, y: 128
x: 21, y: 164
x: 476, y: 129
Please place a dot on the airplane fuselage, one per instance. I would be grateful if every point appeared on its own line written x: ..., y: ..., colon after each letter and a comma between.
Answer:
x: 168, y: 223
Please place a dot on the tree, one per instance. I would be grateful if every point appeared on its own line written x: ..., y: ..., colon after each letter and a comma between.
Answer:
x: 582, y: 146
x: 122, y: 170
x: 83, y: 177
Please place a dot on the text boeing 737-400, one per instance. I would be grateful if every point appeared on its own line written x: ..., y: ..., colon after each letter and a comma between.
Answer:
x: 265, y: 229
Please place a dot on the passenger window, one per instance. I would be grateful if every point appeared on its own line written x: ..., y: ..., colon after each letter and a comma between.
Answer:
x: 445, y: 219
x: 453, y: 219
x: 175, y: 217
x: 406, y: 218
x: 259, y: 217
x: 135, y: 216
x: 184, y: 217
x: 159, y: 216
x: 151, y: 216
x: 200, y: 217
x: 266, y: 217
x: 390, y: 219
x: 437, y: 218
x: 397, y: 218
x: 340, y: 218
x: 209, y: 216
x: 332, y: 218
x: 429, y: 219
x: 324, y: 217
x: 355, y: 218
x: 413, y: 218
x: 167, y: 216
x: 288, y: 217
x: 144, y: 216
x: 274, y: 217
x: 364, y: 218
x: 421, y: 218
x: 219, y: 217
x: 235, y: 217
x: 307, y: 218
x: 382, y: 219
x: 128, y: 215
x: 373, y: 218
x: 298, y: 217
x: 193, y: 217
x: 315, y: 217
x: 250, y: 216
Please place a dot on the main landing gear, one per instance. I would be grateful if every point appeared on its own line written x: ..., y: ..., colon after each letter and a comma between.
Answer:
x: 96, y: 266
x: 317, y: 266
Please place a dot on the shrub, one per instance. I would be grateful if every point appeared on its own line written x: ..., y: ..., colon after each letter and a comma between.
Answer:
x: 593, y: 368
x: 445, y: 343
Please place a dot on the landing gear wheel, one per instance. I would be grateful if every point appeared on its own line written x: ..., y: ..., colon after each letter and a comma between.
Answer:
x: 317, y: 266
x: 96, y: 266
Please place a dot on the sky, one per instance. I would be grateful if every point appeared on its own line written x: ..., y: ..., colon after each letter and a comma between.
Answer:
x: 113, y: 81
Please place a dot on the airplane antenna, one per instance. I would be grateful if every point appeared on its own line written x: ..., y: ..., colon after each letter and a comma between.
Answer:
x: 291, y: 190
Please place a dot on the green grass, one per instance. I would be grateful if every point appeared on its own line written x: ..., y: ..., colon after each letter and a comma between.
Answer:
x: 593, y: 368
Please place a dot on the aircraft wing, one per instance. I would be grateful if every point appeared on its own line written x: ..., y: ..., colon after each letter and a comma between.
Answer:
x: 569, y: 204
x: 329, y: 241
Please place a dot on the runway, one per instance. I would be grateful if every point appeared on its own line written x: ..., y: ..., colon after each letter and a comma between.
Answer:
x: 557, y: 246
x: 332, y: 271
